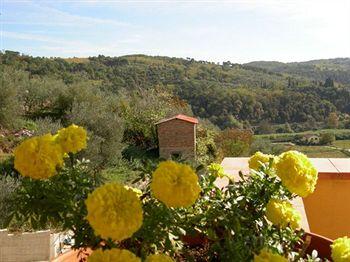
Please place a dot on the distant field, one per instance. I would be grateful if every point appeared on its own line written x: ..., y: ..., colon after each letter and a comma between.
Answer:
x: 325, y: 151
x: 345, y: 144
x: 320, y: 151
x: 334, y: 150
x: 340, y: 134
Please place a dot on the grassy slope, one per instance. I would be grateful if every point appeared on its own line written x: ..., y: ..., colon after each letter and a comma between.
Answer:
x: 345, y: 144
x: 320, y: 151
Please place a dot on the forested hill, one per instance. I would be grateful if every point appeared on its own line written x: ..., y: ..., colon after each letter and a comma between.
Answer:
x: 338, y: 69
x: 229, y: 94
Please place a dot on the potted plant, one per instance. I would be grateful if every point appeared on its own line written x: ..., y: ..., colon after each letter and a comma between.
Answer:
x: 177, y: 214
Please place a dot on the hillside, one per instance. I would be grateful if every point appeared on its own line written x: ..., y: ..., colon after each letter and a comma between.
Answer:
x: 229, y: 95
x: 338, y: 69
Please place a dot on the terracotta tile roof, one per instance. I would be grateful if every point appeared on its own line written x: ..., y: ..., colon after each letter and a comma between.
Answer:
x: 180, y: 117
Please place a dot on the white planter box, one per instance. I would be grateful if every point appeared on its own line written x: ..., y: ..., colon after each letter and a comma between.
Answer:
x: 29, y: 247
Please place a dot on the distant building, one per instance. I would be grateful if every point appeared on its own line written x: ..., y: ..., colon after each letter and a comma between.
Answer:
x: 177, y: 137
x: 311, y: 139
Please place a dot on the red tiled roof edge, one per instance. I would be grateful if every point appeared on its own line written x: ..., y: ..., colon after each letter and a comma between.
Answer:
x: 180, y: 117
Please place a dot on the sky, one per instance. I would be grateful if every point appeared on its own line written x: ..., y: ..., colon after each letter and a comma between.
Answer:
x: 237, y: 31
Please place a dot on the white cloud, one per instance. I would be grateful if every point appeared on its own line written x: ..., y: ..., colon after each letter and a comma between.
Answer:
x: 40, y: 14
x: 69, y: 48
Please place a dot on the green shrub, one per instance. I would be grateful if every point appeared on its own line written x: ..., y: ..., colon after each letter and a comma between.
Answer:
x: 206, y: 149
x: 327, y: 138
x: 347, y: 124
x: 343, y: 134
x: 10, y: 105
x: 98, y: 112
x: 46, y: 125
x: 41, y: 96
x: 8, y: 186
x: 7, y: 167
x: 140, y: 111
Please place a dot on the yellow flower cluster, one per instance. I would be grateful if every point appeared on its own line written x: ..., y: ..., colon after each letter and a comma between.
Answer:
x: 216, y: 170
x: 159, y: 258
x: 113, y: 255
x: 176, y: 185
x: 114, y: 211
x: 281, y: 213
x: 297, y: 173
x: 258, y: 159
x: 72, y: 139
x: 341, y: 250
x: 38, y: 157
x: 266, y: 255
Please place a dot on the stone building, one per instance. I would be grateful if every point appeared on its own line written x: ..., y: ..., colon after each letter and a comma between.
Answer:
x: 177, y: 137
x: 311, y: 139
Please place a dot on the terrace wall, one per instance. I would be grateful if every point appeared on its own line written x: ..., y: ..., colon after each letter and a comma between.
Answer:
x: 28, y: 247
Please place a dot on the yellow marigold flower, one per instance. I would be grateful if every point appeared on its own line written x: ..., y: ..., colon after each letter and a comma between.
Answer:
x: 341, y: 250
x: 159, y: 258
x: 257, y: 159
x: 216, y: 170
x: 38, y: 157
x: 176, y: 185
x: 281, y: 213
x: 266, y: 255
x: 114, y: 211
x: 297, y: 173
x: 113, y: 255
x: 72, y: 139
